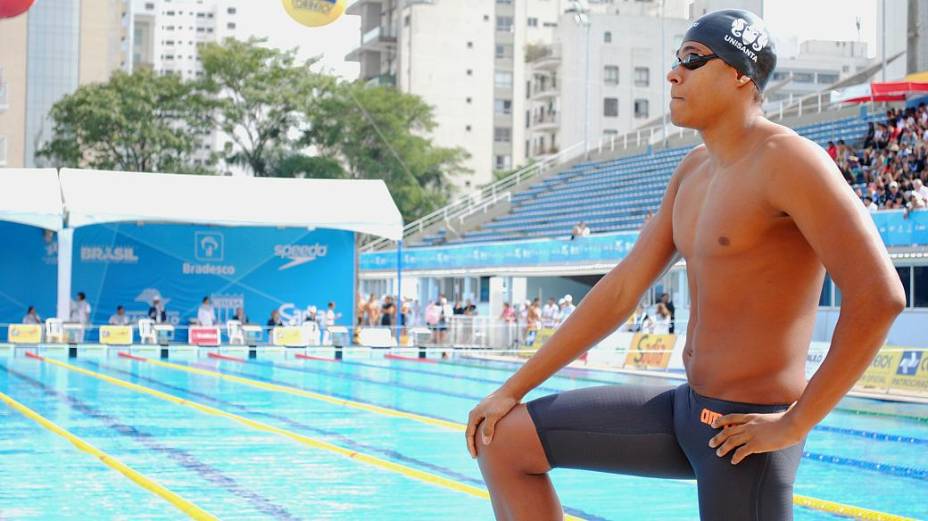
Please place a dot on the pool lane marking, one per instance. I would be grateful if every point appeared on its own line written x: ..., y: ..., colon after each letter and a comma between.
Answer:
x: 137, y: 477
x: 181, y: 457
x: 304, y: 393
x: 317, y: 358
x: 889, y: 469
x: 391, y: 356
x: 334, y: 434
x: 409, y: 472
x: 849, y: 410
x: 806, y: 501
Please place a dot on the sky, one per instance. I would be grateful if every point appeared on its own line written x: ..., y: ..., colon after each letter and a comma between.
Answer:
x: 817, y: 20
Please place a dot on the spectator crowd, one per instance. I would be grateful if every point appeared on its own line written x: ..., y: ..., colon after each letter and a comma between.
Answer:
x: 888, y: 172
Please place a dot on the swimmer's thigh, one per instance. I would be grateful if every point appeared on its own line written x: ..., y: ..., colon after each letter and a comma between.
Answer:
x: 624, y: 429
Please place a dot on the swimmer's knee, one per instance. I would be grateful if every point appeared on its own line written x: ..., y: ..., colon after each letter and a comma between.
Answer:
x: 515, y: 443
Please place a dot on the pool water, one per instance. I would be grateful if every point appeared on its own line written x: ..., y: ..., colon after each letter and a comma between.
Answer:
x: 281, y: 456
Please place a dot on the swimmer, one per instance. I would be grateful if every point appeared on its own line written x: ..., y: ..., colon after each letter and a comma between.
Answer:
x: 759, y: 214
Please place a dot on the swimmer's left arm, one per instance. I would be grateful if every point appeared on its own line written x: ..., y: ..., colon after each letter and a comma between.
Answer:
x: 807, y: 185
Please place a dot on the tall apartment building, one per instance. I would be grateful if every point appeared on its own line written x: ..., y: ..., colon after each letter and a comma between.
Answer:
x: 820, y: 63
x: 166, y: 34
x: 47, y: 53
x: 900, y: 28
x: 468, y: 61
x: 166, y: 37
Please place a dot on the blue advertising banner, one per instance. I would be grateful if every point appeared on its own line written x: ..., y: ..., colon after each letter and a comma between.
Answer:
x: 28, y: 272
x: 595, y: 248
x: 258, y: 269
x: 894, y: 228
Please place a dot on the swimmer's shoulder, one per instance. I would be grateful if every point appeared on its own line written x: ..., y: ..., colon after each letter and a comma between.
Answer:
x: 693, y: 159
x: 782, y: 144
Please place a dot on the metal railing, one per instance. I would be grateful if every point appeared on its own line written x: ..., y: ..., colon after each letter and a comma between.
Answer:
x: 483, y: 200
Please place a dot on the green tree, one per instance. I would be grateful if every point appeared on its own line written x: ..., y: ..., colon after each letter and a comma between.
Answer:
x: 377, y: 133
x: 260, y: 97
x: 139, y: 122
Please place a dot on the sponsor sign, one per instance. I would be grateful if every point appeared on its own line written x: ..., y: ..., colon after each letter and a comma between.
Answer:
x: 24, y: 333
x: 203, y: 336
x: 116, y: 335
x: 650, y: 351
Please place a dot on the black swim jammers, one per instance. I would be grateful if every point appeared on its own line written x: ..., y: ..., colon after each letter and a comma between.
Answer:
x: 664, y: 432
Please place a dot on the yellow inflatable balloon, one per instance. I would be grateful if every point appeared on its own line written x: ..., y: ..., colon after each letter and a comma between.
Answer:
x: 315, y: 13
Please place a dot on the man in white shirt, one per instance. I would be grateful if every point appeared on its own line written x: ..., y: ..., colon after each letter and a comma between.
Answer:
x: 80, y: 309
x: 205, y: 315
x: 120, y: 318
x: 331, y: 315
x: 920, y: 190
x: 549, y: 314
x: 567, y: 308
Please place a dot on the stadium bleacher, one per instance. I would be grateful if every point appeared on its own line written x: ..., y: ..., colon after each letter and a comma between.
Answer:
x: 610, y: 196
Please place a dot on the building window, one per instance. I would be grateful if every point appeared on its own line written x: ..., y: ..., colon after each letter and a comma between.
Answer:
x: 503, y: 106
x: 503, y: 79
x: 641, y: 108
x: 528, y: 118
x: 611, y: 74
x: 919, y: 286
x: 504, y: 23
x: 503, y: 51
x: 149, y: 6
x: 827, y: 79
x: 467, y: 128
x: 230, y: 25
x: 469, y: 99
x: 502, y: 134
x: 607, y: 37
x: 406, y: 21
x: 503, y: 162
x: 470, y: 72
x: 486, y: 18
x: 532, y: 22
x: 506, y: 2
x: 611, y: 107
x: 230, y: 10
x: 470, y: 45
x: 804, y: 77
x: 642, y: 76
x: 905, y: 277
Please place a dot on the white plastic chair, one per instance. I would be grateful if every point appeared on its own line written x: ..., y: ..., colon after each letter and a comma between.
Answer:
x: 235, y: 333
x: 376, y: 337
x: 147, y: 331
x: 54, y: 331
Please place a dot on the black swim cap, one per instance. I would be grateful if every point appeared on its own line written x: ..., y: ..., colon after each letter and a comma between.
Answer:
x: 740, y: 38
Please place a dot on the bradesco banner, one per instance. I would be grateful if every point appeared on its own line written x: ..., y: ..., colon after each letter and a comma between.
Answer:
x: 897, y: 369
x: 28, y: 272
x: 258, y: 269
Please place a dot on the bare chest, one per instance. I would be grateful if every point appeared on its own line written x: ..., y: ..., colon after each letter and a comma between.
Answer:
x: 721, y: 213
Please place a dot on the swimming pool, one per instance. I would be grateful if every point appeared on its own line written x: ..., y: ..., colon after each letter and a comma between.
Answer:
x: 363, y: 438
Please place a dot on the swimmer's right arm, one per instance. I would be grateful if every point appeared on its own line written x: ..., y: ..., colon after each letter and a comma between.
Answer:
x: 611, y: 301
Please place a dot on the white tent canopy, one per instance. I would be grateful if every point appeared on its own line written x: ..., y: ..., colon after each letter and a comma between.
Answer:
x: 363, y: 206
x: 74, y: 198
x: 31, y: 196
